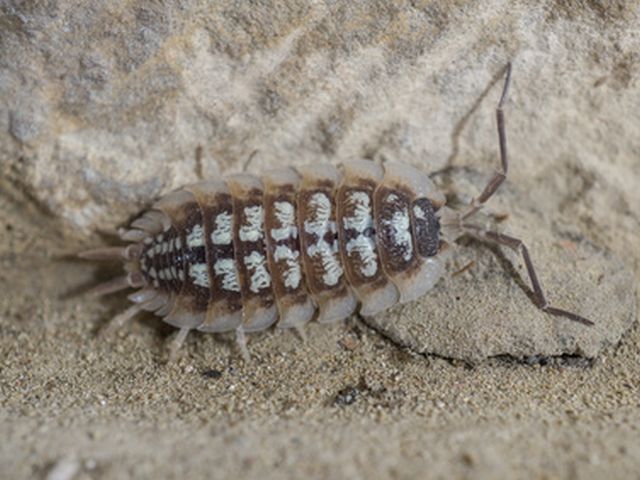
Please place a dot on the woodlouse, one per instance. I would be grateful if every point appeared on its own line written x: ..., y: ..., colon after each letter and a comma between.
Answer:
x: 315, y: 242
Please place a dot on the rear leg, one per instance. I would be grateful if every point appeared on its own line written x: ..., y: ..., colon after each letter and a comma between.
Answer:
x: 143, y: 300
x: 110, y: 286
x: 117, y: 322
x: 104, y: 253
x: 128, y: 253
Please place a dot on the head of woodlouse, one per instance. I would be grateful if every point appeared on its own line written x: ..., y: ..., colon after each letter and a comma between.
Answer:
x: 426, y: 227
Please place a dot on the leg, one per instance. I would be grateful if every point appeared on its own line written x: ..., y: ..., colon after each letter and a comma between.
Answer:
x: 301, y: 333
x: 499, y: 177
x: 241, y: 340
x: 176, y: 343
x: 248, y: 161
x: 538, y: 295
x: 121, y: 319
x: 131, y: 280
x: 104, y: 253
x: 111, y: 286
x: 143, y: 299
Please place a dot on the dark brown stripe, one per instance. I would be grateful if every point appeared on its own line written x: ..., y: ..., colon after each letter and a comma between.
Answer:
x: 193, y: 256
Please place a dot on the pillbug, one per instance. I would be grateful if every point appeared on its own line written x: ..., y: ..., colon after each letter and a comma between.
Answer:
x: 247, y: 252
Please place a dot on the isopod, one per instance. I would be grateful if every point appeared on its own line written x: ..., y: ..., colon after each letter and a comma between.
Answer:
x: 244, y: 253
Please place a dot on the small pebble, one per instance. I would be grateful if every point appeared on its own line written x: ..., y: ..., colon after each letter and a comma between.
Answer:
x: 346, y: 396
x: 213, y: 373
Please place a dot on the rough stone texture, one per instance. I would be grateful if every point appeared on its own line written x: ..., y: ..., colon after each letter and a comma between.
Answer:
x: 106, y: 105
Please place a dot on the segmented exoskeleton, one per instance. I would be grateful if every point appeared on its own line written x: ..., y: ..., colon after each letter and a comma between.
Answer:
x: 247, y: 252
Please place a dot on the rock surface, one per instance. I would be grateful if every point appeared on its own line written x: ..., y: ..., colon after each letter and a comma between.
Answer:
x: 106, y: 105
x: 106, y: 108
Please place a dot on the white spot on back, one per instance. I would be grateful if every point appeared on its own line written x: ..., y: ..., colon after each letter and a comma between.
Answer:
x: 256, y: 263
x: 226, y: 267
x: 285, y: 214
x: 365, y: 247
x: 401, y: 230
x: 292, y: 274
x: 251, y: 231
x: 361, y: 219
x: 200, y: 274
x: 330, y: 263
x: 362, y: 245
x: 418, y: 212
x: 321, y: 205
x: 222, y: 234
x: 324, y: 251
x: 196, y: 237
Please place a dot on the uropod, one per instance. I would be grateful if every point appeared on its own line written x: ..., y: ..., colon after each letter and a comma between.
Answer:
x: 295, y: 244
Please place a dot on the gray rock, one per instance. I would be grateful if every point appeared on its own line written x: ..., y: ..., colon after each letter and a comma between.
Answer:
x: 107, y: 105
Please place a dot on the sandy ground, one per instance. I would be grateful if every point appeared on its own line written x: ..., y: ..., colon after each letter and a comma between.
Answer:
x: 346, y: 403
